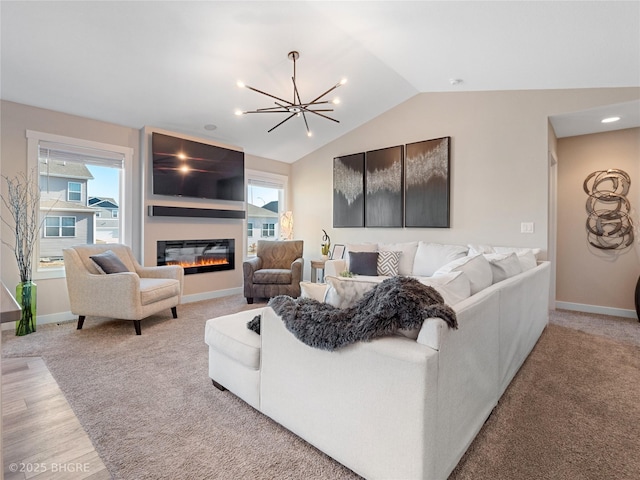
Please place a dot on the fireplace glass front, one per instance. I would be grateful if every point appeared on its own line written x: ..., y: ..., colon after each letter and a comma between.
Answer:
x: 198, y: 256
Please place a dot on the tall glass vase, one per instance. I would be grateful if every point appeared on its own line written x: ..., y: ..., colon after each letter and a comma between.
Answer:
x: 26, y: 296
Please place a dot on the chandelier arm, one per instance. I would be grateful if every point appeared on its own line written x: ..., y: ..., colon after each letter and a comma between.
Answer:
x: 325, y: 93
x: 321, y: 115
x: 268, y: 94
x: 304, y: 117
x: 288, y: 118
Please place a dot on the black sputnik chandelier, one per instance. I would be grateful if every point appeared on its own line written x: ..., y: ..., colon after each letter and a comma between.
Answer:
x: 296, y: 107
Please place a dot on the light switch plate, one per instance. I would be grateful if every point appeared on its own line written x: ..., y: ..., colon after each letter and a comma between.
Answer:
x: 526, y: 227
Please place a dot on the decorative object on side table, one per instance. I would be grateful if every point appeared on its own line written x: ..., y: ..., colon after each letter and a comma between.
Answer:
x: 325, y: 245
x: 23, y: 203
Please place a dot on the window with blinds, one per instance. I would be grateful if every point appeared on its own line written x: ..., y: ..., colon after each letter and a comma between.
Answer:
x: 81, y: 194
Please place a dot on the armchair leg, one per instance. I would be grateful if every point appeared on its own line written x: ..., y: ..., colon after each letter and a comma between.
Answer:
x: 80, y: 322
x: 249, y: 300
x: 174, y: 312
x: 136, y: 325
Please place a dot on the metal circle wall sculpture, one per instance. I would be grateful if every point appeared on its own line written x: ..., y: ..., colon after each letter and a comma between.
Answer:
x: 609, y: 224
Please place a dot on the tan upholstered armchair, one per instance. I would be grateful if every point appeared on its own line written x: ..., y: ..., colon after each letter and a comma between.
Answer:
x: 129, y: 292
x: 275, y: 270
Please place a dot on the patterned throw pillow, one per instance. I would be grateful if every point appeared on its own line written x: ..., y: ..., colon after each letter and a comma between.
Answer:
x: 344, y: 292
x: 388, y: 263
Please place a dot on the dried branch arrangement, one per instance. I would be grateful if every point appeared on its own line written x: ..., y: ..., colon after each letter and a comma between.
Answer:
x: 23, y: 202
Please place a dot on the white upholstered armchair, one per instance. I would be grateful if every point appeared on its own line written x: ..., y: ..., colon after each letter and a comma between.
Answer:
x: 128, y: 292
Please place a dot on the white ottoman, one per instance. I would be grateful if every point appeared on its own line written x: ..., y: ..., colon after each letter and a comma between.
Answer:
x: 234, y: 355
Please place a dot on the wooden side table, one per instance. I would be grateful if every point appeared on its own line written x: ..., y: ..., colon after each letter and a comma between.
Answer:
x: 315, y: 266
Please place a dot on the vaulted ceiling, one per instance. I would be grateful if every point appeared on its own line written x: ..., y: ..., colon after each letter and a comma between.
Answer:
x: 175, y: 64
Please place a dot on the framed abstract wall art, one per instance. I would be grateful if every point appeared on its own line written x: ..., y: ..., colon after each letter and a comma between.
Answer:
x: 427, y: 183
x: 348, y: 191
x: 383, y: 187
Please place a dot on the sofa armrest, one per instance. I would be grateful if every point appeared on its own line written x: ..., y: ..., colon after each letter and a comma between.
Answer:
x: 250, y: 265
x: 165, y: 271
x: 334, y: 267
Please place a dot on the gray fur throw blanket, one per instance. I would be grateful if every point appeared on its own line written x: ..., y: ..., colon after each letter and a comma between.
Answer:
x: 395, y: 304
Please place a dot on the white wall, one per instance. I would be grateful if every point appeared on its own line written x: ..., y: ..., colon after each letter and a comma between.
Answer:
x: 499, y: 164
x: 588, y: 276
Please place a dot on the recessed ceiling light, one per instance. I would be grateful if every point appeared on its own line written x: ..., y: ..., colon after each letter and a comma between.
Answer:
x: 610, y: 119
x: 210, y: 126
x: 455, y: 81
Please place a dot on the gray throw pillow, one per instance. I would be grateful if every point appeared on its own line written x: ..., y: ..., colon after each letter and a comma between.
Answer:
x: 108, y: 262
x: 363, y: 263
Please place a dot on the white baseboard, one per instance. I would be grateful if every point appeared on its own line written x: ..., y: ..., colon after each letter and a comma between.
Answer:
x: 68, y: 316
x: 581, y: 307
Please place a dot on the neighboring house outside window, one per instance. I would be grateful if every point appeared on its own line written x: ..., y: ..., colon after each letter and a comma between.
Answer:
x: 107, y: 223
x: 261, y: 223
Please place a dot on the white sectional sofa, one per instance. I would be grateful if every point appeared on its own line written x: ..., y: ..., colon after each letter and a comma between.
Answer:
x: 404, y: 406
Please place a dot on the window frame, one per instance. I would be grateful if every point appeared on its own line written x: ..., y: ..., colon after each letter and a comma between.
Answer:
x: 126, y: 186
x: 275, y: 180
x: 69, y: 191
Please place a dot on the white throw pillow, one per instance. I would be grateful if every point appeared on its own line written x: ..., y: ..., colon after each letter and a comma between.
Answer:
x: 504, y: 265
x: 477, y: 249
x: 408, y: 249
x: 344, y: 292
x: 453, y: 286
x: 316, y: 291
x: 527, y: 260
x: 388, y: 263
x: 476, y: 268
x: 431, y: 256
x: 517, y: 250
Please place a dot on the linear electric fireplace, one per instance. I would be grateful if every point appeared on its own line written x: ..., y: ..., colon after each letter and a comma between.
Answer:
x: 198, y: 256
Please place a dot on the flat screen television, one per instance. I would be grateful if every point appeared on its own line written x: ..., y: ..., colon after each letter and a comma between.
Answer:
x: 192, y: 169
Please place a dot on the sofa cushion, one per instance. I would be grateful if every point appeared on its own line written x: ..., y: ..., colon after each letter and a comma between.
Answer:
x: 272, y: 276
x: 388, y: 263
x: 431, y: 256
x: 229, y: 335
x: 363, y: 263
x: 408, y: 255
x: 453, y: 286
x: 108, y: 262
x: 476, y: 268
x: 155, y: 289
x: 316, y: 291
x: 503, y: 265
x: 344, y: 292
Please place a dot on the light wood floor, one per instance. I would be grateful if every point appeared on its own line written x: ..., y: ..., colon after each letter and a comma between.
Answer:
x: 41, y: 436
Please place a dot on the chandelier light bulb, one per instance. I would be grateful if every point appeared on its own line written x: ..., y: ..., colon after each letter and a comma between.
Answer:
x: 343, y: 81
x: 240, y: 84
x: 336, y: 101
x: 238, y: 112
x: 309, y: 134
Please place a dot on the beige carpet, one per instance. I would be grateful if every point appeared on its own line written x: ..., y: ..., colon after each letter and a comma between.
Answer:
x: 572, y: 412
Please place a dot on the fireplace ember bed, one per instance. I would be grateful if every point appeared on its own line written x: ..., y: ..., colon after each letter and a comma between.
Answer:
x: 198, y: 256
